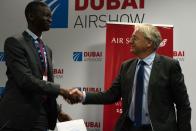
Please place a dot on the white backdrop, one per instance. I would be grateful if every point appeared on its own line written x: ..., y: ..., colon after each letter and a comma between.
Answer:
x: 87, y: 37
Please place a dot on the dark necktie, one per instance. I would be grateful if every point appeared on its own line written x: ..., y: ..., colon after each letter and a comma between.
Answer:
x: 139, y: 94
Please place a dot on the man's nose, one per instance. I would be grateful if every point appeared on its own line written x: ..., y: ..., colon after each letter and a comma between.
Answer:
x: 50, y: 19
x: 131, y: 41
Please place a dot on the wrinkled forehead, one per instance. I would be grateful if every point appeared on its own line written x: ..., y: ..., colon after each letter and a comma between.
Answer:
x: 137, y: 32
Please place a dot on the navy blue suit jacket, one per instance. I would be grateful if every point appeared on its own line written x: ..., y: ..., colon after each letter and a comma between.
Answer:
x: 168, y: 102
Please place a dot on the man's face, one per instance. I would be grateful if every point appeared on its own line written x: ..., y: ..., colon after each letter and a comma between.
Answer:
x: 139, y: 44
x: 42, y: 18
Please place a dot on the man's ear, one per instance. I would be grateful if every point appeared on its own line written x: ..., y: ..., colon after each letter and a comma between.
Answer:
x: 149, y: 44
x: 31, y: 17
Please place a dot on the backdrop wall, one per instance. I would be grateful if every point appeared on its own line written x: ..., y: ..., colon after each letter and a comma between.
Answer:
x: 79, y: 32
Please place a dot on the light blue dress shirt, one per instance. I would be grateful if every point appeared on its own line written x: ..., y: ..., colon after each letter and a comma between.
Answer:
x: 147, y: 70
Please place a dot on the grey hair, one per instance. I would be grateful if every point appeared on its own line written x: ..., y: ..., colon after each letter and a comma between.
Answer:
x: 150, y: 32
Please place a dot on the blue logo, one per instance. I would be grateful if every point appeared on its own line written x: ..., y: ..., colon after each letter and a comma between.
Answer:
x: 2, y: 56
x: 59, y: 10
x: 77, y: 56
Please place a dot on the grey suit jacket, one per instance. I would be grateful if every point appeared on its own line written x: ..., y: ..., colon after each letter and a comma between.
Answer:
x: 21, y: 103
x: 168, y: 102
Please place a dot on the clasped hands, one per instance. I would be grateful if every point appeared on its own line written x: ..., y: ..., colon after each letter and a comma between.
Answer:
x: 72, y: 96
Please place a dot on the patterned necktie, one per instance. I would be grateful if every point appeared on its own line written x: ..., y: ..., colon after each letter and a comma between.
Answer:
x: 42, y: 55
x: 139, y: 94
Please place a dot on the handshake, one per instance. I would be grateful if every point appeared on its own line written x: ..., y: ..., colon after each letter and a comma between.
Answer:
x: 72, y: 96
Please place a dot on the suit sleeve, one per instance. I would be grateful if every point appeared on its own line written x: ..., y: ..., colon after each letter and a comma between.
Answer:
x: 18, y: 70
x: 113, y: 94
x: 181, y: 98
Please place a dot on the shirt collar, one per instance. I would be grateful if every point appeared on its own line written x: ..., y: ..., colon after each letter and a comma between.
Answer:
x: 34, y: 36
x: 149, y: 59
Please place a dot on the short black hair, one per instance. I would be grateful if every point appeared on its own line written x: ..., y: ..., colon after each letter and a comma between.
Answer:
x: 33, y: 6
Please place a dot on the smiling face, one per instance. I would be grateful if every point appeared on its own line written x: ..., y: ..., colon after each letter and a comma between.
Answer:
x: 139, y: 44
x: 38, y: 16
x: 41, y: 19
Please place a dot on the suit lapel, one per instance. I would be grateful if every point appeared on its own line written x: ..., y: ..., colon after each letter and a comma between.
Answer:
x: 153, y: 76
x: 30, y: 43
x: 130, y: 76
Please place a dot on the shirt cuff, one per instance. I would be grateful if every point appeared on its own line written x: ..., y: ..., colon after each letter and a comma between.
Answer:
x: 84, y: 97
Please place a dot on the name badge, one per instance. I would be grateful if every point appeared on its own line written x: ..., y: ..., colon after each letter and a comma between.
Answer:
x: 45, y: 78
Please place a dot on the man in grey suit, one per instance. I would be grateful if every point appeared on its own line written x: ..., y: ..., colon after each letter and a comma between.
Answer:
x: 29, y: 102
x: 164, y: 103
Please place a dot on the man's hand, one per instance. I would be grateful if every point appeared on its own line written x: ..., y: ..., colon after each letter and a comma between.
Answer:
x: 72, y: 96
x: 63, y: 117
x: 75, y: 96
x: 64, y: 93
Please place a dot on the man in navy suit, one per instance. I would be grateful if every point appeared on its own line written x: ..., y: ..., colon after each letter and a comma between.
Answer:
x: 165, y: 103
x: 29, y: 101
